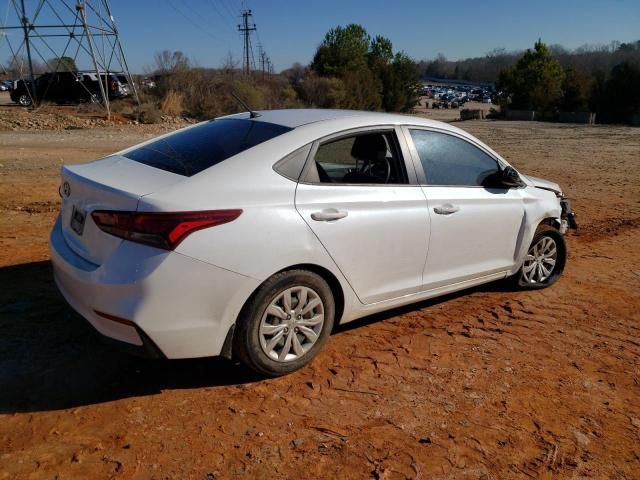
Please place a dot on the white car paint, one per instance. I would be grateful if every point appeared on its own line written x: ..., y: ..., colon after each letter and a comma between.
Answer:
x: 391, y: 248
x: 380, y: 245
x: 546, y: 184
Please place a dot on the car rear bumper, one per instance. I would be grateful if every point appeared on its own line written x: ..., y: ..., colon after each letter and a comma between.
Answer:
x: 154, y: 301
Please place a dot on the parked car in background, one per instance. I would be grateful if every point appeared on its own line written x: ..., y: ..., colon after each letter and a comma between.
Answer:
x: 116, y: 85
x: 6, y: 85
x: 148, y: 83
x: 252, y: 235
x: 58, y: 87
x: 127, y: 88
x: 67, y: 87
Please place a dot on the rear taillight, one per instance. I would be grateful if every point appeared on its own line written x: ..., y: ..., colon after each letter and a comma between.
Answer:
x: 161, y: 230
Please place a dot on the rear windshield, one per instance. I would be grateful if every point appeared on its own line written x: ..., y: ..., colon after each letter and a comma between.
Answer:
x: 198, y: 148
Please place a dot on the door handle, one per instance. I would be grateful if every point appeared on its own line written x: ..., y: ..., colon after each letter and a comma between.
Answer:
x: 446, y: 209
x: 328, y: 214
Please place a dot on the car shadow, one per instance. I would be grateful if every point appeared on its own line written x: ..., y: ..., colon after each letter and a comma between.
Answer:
x: 51, y: 358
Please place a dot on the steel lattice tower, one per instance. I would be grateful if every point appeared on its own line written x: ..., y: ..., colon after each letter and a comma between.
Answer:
x: 45, y: 31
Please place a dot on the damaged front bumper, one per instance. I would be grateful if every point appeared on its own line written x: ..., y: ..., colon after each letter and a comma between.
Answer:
x: 568, y: 216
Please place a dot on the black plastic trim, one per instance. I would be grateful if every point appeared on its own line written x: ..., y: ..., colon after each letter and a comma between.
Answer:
x: 148, y: 349
x: 568, y: 214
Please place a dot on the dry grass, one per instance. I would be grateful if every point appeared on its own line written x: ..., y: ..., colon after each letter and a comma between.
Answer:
x: 171, y: 104
x: 149, y: 113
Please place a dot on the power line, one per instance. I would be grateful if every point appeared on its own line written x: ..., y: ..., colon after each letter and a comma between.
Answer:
x: 192, y: 21
x: 232, y: 9
x: 220, y: 13
x: 263, y: 59
x: 265, y: 62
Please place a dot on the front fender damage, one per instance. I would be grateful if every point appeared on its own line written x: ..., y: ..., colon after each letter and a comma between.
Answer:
x: 567, y: 217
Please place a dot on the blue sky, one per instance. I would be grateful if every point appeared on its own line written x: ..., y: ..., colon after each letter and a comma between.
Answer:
x: 206, y: 30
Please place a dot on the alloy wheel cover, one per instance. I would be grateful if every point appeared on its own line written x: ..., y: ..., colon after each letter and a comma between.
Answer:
x: 540, y: 261
x: 291, y: 324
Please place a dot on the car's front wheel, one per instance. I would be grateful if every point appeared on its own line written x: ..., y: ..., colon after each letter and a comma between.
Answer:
x: 545, y: 260
x: 285, y: 323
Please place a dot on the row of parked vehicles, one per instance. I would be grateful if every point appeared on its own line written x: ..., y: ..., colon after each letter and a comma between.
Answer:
x: 455, y: 96
x: 68, y: 87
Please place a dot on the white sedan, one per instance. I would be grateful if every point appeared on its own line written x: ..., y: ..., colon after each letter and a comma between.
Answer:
x: 252, y: 235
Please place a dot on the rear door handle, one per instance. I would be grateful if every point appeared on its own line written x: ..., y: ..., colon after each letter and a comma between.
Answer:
x: 328, y: 214
x: 446, y: 209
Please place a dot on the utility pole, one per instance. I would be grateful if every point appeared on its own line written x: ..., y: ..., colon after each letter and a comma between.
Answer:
x: 26, y: 28
x: 263, y: 60
x: 246, y: 30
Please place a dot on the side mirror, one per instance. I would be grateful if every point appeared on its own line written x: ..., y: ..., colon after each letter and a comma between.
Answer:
x: 509, y: 178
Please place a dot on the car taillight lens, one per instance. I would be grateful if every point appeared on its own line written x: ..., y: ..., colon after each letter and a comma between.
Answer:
x: 161, y: 230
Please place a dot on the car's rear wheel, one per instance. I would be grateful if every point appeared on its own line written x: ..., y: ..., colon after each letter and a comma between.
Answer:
x: 285, y: 323
x: 24, y: 100
x: 545, y: 260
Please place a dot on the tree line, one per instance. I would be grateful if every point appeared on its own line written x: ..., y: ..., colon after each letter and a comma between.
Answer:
x: 487, y: 68
x: 350, y: 69
x: 353, y: 70
x: 550, y: 79
x: 539, y: 81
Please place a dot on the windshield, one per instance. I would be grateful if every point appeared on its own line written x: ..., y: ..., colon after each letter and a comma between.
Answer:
x: 193, y: 150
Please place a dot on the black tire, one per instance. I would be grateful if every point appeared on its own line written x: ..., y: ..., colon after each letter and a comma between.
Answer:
x: 520, y: 279
x: 247, y: 345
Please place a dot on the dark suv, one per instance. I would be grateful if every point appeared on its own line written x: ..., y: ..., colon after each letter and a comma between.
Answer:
x: 67, y: 87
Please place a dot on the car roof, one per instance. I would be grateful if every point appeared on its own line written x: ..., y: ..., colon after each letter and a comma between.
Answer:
x: 294, y: 118
x: 255, y: 165
x: 308, y: 125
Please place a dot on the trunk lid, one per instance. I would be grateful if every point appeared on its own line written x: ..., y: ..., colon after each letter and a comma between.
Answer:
x: 114, y: 183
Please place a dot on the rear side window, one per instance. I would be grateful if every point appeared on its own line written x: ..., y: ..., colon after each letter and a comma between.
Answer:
x: 292, y: 165
x: 448, y: 160
x: 193, y: 150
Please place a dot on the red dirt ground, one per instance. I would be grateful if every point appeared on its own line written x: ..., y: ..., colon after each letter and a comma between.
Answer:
x: 488, y: 383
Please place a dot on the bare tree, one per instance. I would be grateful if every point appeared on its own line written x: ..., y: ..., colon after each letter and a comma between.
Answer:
x: 62, y: 64
x: 296, y: 73
x: 230, y: 64
x: 18, y: 66
x: 168, y: 62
